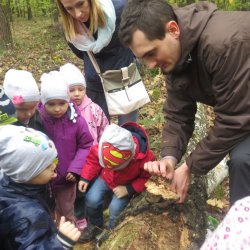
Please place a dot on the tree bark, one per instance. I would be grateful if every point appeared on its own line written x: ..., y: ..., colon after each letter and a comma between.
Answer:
x: 154, y: 221
x: 54, y: 11
x: 30, y: 16
x: 5, y: 31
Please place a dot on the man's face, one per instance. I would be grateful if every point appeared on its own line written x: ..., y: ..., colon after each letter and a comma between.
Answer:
x: 157, y: 53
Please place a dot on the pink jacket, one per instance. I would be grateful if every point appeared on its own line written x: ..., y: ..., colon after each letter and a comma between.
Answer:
x: 95, y: 118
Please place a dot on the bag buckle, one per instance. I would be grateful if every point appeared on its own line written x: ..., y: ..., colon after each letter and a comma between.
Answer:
x: 125, y: 76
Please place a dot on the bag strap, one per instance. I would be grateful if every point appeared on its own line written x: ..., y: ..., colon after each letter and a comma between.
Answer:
x: 94, y: 62
x: 125, y: 76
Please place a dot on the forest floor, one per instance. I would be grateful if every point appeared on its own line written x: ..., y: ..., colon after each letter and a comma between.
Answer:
x: 39, y: 46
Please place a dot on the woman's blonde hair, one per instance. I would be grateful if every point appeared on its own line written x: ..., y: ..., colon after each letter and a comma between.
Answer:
x: 96, y: 18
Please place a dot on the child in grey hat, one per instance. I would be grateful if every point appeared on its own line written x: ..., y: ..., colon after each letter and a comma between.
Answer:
x: 28, y: 163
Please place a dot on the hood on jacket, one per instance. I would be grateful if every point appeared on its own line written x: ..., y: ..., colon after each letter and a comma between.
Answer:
x: 193, y: 20
x: 141, y: 136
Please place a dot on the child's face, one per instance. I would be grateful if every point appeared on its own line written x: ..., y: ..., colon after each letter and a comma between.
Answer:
x: 45, y: 176
x: 77, y: 94
x: 56, y: 108
x: 25, y: 111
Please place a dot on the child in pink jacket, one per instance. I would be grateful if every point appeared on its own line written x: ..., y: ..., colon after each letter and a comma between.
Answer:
x: 93, y: 114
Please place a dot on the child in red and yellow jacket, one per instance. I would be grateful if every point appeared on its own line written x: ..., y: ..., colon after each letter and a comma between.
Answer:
x: 117, y: 162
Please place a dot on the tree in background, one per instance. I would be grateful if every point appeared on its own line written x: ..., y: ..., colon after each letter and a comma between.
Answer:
x: 30, y: 9
x: 5, y: 31
x: 222, y: 4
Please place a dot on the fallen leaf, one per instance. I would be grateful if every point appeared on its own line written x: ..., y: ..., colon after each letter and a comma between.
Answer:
x: 216, y: 203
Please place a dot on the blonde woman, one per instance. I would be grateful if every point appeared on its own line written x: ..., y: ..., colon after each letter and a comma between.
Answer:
x: 92, y: 25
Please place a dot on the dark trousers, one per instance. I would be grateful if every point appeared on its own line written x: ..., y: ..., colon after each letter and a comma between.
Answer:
x: 239, y: 171
x: 79, y: 205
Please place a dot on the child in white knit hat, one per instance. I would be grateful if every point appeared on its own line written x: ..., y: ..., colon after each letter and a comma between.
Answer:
x: 118, y: 163
x: 93, y: 114
x: 69, y: 131
x: 21, y: 87
x: 28, y: 163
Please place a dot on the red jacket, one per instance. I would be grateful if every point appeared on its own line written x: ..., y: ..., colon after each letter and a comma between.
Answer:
x: 133, y: 176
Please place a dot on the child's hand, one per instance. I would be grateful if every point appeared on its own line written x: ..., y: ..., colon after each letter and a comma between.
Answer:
x: 82, y: 186
x: 68, y: 229
x: 120, y: 191
x: 70, y: 177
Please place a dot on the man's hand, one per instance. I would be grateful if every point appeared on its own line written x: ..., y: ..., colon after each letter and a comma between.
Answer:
x: 82, y: 186
x: 68, y: 229
x: 181, y: 181
x: 120, y: 191
x: 70, y: 177
x: 164, y: 167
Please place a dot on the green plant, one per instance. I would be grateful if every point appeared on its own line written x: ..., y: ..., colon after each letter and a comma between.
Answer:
x: 219, y: 193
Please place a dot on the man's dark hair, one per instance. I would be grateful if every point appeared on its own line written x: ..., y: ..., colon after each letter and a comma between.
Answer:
x: 149, y: 16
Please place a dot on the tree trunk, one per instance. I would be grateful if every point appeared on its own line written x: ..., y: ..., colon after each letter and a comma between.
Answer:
x: 54, y: 12
x: 29, y: 10
x: 5, y: 31
x: 17, y: 8
x: 154, y: 221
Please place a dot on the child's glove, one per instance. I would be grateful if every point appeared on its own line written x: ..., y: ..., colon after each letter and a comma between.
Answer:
x: 120, y: 191
x: 82, y: 186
